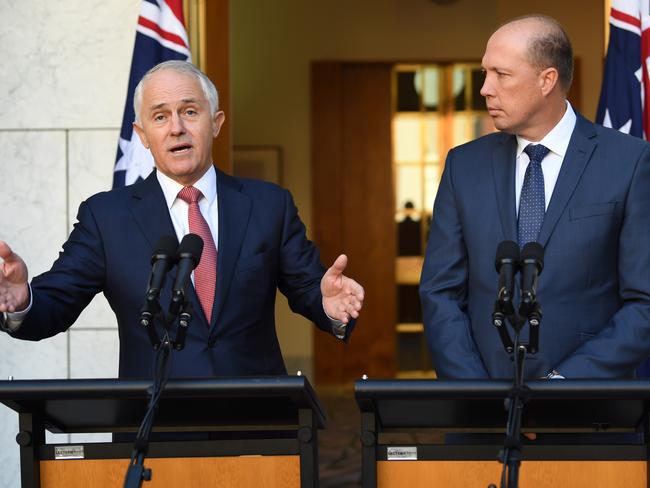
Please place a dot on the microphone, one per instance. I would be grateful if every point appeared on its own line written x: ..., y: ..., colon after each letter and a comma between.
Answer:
x: 507, y: 264
x: 188, y: 256
x: 162, y: 261
x: 532, y: 263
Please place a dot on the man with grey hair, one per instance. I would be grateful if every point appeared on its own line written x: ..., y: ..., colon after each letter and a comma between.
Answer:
x: 552, y: 177
x: 254, y: 243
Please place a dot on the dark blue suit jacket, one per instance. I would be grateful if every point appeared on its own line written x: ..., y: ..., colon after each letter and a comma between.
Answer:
x: 595, y: 285
x: 262, y: 247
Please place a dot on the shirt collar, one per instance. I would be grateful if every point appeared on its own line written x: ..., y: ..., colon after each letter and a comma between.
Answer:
x: 557, y: 140
x: 207, y: 184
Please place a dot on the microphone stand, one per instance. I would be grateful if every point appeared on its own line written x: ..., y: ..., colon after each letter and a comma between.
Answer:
x: 151, y: 312
x: 519, y: 394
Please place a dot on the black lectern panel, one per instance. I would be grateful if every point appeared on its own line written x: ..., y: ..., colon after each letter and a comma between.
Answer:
x: 108, y: 405
x: 559, y: 404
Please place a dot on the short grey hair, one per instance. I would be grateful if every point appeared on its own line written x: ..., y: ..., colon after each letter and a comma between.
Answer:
x: 185, y: 67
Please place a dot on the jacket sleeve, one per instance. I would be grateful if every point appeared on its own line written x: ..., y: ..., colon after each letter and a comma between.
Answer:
x: 443, y: 289
x: 60, y: 294
x: 301, y: 270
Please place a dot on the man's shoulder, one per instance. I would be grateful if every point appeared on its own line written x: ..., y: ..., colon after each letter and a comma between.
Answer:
x: 252, y: 187
x: 480, y: 149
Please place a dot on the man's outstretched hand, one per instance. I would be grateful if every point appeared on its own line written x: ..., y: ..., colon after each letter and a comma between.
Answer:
x: 342, y: 296
x: 14, y: 292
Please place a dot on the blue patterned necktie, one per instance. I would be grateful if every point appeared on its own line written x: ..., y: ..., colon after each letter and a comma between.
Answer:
x: 532, y: 205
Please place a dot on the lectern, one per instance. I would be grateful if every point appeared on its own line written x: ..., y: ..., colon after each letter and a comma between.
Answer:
x: 590, y: 433
x: 219, y: 432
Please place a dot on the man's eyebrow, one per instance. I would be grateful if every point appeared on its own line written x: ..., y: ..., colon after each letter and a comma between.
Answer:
x: 157, y: 106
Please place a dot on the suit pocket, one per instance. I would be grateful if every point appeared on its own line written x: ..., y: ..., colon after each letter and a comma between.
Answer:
x: 593, y: 210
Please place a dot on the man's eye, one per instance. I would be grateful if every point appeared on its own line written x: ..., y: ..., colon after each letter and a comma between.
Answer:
x: 159, y: 117
x: 190, y: 111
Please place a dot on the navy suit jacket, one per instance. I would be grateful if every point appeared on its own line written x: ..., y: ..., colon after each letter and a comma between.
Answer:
x: 262, y: 247
x: 595, y: 286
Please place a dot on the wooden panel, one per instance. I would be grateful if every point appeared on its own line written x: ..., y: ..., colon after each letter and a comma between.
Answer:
x: 218, y: 70
x: 224, y: 472
x: 537, y: 474
x: 353, y: 209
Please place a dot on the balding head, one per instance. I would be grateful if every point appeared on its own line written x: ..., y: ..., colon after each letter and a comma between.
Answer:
x: 548, y: 45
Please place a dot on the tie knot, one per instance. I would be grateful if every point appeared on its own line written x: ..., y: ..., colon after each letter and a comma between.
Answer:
x: 190, y: 194
x: 536, y: 152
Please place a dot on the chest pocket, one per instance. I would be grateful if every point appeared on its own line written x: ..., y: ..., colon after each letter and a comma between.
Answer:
x: 593, y: 210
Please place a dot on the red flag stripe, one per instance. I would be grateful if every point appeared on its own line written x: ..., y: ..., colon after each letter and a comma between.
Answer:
x: 176, y: 7
x: 623, y: 17
x: 144, y: 22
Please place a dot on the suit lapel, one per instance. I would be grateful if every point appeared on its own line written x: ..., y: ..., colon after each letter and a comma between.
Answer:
x: 150, y: 211
x: 503, y: 169
x: 579, y: 151
x: 234, y: 214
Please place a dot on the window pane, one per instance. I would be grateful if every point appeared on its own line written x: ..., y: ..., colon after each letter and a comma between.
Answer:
x: 408, y: 187
x: 407, y: 138
x: 431, y: 138
x: 459, y: 84
x: 431, y: 88
x: 478, y: 102
x: 431, y: 182
x: 408, y: 99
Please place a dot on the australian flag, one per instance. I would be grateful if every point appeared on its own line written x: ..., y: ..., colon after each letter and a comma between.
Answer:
x: 160, y: 36
x: 624, y: 94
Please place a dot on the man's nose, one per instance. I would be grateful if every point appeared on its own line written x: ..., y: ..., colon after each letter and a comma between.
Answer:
x: 177, y: 126
x: 486, y: 89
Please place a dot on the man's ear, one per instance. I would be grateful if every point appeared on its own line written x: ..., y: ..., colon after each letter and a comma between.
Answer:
x: 217, y: 122
x: 141, y: 134
x: 548, y: 80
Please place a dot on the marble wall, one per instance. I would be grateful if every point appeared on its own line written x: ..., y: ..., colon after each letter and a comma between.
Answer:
x: 64, y: 76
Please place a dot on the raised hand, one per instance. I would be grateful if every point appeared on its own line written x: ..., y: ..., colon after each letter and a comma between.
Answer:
x: 14, y: 292
x: 342, y: 296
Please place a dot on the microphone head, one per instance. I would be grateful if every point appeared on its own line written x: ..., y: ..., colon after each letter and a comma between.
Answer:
x: 165, y: 249
x: 507, y: 252
x: 533, y: 252
x: 191, y: 247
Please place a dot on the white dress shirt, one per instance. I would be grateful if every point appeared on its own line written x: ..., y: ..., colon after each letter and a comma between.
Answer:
x: 178, y: 208
x: 557, y: 141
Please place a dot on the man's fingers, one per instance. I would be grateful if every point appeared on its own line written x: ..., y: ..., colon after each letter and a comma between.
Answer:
x: 5, y: 251
x: 339, y: 264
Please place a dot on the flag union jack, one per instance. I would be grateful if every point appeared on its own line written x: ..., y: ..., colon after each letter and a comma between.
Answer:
x: 160, y: 36
x: 625, y: 94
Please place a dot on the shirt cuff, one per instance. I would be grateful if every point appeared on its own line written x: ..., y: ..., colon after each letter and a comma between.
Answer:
x: 554, y: 375
x: 11, y: 321
x: 338, y: 327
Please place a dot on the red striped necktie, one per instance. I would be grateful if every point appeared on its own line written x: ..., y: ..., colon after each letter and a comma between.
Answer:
x: 205, y: 274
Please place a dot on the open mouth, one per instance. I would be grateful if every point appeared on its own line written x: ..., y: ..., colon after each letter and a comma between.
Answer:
x: 180, y: 148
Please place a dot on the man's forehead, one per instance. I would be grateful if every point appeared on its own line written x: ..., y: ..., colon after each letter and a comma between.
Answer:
x: 172, y: 81
x: 172, y: 88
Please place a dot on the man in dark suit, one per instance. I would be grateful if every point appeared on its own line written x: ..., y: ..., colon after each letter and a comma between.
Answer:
x: 580, y: 190
x: 260, y: 246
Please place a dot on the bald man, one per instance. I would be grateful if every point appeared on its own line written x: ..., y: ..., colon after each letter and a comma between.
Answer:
x: 552, y: 177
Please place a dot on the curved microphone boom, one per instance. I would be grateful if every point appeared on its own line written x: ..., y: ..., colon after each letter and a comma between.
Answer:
x: 188, y: 256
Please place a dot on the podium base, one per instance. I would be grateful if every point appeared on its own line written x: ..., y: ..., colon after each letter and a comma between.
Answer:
x: 537, y: 474
x: 197, y: 472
